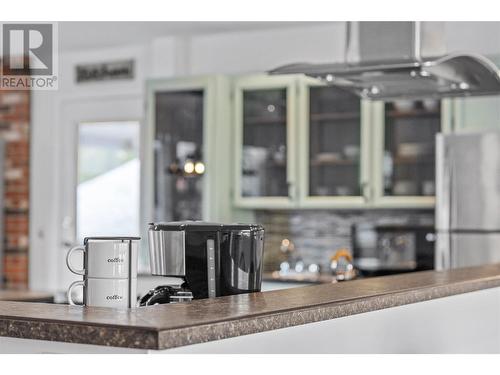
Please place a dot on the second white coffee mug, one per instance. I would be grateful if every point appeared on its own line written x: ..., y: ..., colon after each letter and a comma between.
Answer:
x: 106, y: 257
x: 115, y: 293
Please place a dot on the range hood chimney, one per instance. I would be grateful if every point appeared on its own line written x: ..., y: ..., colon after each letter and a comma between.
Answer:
x: 388, y: 60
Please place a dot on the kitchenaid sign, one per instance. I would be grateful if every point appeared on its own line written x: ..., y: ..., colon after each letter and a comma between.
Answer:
x: 29, y: 56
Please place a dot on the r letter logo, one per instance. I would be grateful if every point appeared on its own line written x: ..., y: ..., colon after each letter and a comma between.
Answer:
x: 29, y: 54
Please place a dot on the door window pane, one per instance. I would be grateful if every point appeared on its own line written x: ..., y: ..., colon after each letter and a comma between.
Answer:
x: 264, y: 159
x: 179, y: 166
x: 409, y: 147
x: 334, y: 142
x: 108, y: 179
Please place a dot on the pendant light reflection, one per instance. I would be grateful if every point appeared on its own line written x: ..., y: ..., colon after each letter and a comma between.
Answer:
x: 199, y: 167
x: 190, y: 168
x: 194, y: 168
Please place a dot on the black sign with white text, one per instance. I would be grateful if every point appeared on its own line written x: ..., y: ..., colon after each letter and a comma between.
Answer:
x: 105, y: 71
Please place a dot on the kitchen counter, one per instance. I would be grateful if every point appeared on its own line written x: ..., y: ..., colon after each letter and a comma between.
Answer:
x: 25, y: 296
x: 170, y: 326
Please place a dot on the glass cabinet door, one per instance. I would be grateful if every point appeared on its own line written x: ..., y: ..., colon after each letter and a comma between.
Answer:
x: 178, y: 164
x: 264, y: 137
x: 408, y: 164
x: 264, y: 143
x: 334, y: 143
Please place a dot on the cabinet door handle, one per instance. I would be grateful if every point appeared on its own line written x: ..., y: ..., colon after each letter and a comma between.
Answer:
x: 291, y: 190
x: 366, y: 191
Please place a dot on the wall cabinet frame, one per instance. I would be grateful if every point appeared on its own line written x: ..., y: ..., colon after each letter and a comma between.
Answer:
x: 287, y: 119
x: 379, y: 200
x: 372, y: 128
x: 216, y: 205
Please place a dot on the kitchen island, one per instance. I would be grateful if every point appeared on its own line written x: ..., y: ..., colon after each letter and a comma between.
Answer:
x: 431, y: 311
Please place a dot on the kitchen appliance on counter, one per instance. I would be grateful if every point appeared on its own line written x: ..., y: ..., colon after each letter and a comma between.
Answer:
x: 341, y: 265
x: 210, y: 259
x: 467, y: 199
x: 381, y: 249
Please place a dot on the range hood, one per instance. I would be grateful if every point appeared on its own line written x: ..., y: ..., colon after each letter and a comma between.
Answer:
x: 389, y: 60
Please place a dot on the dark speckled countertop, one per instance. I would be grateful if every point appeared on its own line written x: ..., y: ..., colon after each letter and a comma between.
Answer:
x: 168, y: 326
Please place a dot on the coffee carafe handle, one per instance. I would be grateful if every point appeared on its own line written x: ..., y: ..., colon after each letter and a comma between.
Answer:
x: 68, y: 260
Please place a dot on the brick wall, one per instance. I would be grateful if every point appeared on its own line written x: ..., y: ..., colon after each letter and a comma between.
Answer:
x: 14, y: 130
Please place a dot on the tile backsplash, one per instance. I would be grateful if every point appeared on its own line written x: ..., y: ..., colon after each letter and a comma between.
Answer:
x: 318, y: 234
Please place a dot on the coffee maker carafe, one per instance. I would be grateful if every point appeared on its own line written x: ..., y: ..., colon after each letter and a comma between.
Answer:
x: 212, y: 259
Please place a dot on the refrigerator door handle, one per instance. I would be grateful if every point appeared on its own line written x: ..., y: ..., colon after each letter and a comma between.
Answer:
x: 444, y: 205
x: 443, y: 185
x: 453, y: 197
x: 443, y: 251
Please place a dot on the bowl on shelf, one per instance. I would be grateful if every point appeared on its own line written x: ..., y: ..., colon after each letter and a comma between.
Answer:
x: 430, y: 105
x: 414, y: 149
x: 343, y: 191
x: 326, y: 157
x: 428, y: 188
x: 322, y: 190
x: 405, y: 187
x: 351, y: 151
x: 404, y: 106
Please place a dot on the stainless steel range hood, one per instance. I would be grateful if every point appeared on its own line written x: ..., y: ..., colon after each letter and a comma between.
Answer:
x: 386, y: 60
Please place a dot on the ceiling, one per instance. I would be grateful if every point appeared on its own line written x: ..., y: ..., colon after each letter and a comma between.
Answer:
x: 83, y: 35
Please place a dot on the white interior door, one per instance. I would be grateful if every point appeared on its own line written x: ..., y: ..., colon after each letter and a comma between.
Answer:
x: 99, y: 172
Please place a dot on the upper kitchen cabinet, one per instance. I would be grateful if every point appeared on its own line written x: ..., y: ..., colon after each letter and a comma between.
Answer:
x: 404, y: 151
x: 186, y: 172
x: 303, y: 144
x: 265, y: 126
x: 334, y: 138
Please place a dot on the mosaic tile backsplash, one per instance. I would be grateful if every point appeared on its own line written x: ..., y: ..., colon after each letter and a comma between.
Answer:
x: 318, y: 234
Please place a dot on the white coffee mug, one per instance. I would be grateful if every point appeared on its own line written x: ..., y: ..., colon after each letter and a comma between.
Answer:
x: 115, y: 293
x: 107, y: 257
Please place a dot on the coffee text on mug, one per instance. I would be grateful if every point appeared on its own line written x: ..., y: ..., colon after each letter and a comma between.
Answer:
x: 116, y: 296
x: 116, y: 260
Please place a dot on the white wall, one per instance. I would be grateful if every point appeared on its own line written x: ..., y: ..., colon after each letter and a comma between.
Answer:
x: 259, y: 51
x: 480, y: 37
x: 225, y: 53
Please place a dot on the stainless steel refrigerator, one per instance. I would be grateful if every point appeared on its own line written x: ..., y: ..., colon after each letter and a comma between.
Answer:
x: 467, y: 199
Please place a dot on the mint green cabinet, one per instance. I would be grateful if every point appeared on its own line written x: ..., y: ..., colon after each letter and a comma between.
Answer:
x: 404, y: 151
x: 187, y: 124
x: 334, y: 147
x: 300, y: 144
x: 265, y: 141
x: 289, y: 142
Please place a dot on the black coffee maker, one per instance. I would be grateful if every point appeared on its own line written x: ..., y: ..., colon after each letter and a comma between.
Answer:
x: 212, y: 260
